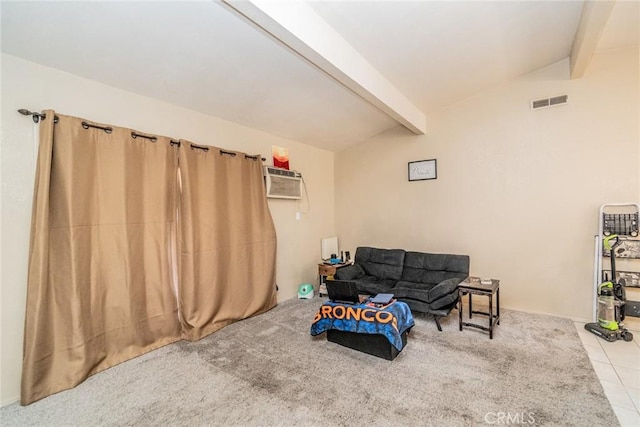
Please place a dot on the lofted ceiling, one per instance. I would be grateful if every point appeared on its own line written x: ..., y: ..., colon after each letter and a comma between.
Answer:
x: 205, y: 56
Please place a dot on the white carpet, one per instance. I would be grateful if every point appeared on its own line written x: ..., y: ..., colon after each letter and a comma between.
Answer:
x: 268, y: 370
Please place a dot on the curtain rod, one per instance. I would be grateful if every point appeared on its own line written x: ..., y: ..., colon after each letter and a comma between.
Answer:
x: 36, y: 117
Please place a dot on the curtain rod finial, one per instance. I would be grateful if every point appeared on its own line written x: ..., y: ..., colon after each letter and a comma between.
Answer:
x: 34, y: 116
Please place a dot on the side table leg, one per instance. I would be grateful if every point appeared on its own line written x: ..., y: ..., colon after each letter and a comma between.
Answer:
x: 498, y: 304
x: 470, y: 304
x: 460, y: 296
x: 490, y: 316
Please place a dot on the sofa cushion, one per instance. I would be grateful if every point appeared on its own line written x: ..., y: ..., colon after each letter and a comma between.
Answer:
x: 445, y: 301
x: 371, y: 285
x: 443, y: 288
x: 381, y: 263
x: 409, y: 290
x: 350, y: 272
x: 425, y: 297
x: 434, y: 268
x: 426, y: 292
x: 413, y: 290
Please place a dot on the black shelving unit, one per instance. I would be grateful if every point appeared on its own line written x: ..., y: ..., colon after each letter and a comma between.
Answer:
x: 620, y: 219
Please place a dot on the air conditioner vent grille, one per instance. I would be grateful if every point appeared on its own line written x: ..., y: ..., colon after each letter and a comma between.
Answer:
x: 284, y: 187
x: 281, y: 172
x: 282, y: 183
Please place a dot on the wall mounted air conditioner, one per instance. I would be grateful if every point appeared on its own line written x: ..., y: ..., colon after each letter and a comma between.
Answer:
x: 282, y: 183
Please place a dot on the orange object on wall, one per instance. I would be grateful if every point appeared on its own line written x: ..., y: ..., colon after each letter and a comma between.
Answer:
x: 280, y: 157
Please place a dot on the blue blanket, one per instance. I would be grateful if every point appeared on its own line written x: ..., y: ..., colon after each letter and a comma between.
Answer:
x: 391, y: 321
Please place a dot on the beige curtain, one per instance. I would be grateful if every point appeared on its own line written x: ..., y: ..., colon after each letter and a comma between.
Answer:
x: 227, y: 240
x: 99, y: 288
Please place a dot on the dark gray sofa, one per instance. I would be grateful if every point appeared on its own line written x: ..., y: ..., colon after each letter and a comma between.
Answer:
x: 428, y: 283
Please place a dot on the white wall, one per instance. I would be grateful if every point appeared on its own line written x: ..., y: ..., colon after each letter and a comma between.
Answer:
x: 28, y: 85
x: 517, y: 190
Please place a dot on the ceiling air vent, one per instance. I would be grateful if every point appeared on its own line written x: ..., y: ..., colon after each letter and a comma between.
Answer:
x: 549, y: 102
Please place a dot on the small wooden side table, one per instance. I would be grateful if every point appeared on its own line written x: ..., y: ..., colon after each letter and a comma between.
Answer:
x: 472, y: 286
x: 325, y: 270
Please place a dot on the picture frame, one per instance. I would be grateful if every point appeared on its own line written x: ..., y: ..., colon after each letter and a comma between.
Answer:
x: 422, y: 170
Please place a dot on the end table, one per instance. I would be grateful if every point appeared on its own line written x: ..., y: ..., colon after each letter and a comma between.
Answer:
x: 324, y: 271
x: 473, y: 286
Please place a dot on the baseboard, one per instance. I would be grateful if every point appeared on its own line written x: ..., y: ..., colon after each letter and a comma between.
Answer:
x: 9, y: 401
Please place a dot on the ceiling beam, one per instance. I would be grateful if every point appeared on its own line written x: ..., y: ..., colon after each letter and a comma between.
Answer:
x: 297, y: 26
x: 593, y: 20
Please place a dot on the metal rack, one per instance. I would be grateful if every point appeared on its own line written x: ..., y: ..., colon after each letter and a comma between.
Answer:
x: 620, y: 219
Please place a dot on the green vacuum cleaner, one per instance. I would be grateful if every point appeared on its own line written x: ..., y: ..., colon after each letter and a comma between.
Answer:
x: 611, y: 300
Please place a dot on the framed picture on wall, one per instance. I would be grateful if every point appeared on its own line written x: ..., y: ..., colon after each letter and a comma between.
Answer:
x: 423, y: 169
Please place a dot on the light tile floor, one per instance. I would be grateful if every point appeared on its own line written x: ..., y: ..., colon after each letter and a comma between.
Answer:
x: 617, y: 365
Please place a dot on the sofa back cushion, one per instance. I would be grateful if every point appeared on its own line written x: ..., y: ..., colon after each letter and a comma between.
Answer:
x: 434, y: 268
x: 381, y: 263
x: 350, y: 272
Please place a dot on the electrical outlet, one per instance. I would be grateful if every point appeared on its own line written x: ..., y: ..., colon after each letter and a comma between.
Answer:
x: 298, y: 215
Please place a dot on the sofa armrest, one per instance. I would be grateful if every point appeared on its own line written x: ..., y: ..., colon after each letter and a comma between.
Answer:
x: 444, y: 288
x: 350, y: 272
